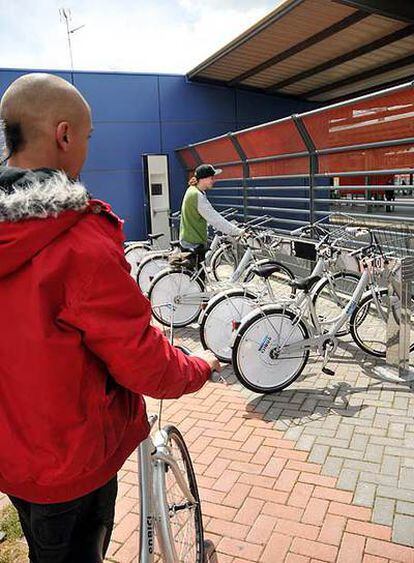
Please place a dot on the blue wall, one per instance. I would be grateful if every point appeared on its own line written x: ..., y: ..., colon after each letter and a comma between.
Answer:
x: 134, y: 114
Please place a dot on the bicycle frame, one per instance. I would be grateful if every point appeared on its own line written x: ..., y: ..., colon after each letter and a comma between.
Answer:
x: 153, y: 455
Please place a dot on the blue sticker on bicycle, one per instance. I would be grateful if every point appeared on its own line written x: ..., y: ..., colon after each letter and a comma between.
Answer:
x: 264, y: 343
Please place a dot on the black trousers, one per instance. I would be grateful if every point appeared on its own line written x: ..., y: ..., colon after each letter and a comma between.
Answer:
x: 77, y: 531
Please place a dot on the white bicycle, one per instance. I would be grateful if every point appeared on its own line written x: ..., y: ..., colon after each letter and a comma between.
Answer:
x: 330, y: 293
x: 181, y: 293
x: 273, y: 343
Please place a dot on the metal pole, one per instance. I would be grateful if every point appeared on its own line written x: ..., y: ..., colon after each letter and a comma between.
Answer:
x: 313, y: 162
x: 246, y: 171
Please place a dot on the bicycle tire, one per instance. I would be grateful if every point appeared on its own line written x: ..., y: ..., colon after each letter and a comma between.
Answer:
x: 215, y: 262
x: 321, y: 285
x: 287, y: 275
x: 134, y: 258
x: 163, y: 301
x: 361, y: 316
x: 226, y: 326
x: 266, y: 366
x: 175, y: 502
x: 149, y: 268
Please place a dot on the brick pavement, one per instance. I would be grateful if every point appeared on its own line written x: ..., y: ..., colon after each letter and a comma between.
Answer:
x: 322, y: 471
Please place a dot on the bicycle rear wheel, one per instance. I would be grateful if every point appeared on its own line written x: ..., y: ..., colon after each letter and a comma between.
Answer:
x: 176, y: 297
x: 180, y: 517
x: 262, y: 360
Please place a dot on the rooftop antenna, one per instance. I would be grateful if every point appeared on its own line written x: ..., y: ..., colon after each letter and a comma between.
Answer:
x: 66, y: 17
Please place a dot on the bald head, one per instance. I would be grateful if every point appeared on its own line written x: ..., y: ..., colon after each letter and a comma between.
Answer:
x: 46, y: 115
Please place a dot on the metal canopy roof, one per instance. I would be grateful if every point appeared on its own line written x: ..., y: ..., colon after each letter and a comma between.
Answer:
x: 319, y: 50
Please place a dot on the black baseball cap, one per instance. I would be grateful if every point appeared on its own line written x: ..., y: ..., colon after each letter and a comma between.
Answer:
x: 206, y: 170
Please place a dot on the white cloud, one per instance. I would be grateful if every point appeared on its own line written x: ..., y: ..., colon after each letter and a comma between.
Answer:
x: 169, y: 36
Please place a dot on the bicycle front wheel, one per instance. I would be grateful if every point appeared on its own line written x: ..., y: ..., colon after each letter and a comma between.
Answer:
x: 134, y: 254
x: 180, y: 517
x: 369, y: 323
x: 278, y: 283
x: 176, y: 297
x: 331, y: 295
x: 270, y: 349
x: 222, y: 318
x: 149, y: 268
x: 223, y: 263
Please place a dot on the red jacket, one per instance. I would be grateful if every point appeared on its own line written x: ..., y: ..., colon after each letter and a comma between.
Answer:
x: 77, y: 350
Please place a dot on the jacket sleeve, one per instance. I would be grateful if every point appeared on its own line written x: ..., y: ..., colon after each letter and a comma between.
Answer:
x: 214, y: 218
x: 114, y: 318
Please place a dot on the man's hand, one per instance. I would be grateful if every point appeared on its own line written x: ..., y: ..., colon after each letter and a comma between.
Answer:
x: 211, y: 359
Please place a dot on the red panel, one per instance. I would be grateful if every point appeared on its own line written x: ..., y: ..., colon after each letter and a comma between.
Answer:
x: 234, y: 171
x: 280, y: 167
x: 188, y: 158
x: 217, y: 150
x: 389, y: 158
x: 382, y: 118
x: 276, y: 138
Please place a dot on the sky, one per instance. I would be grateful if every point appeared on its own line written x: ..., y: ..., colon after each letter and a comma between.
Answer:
x: 161, y: 36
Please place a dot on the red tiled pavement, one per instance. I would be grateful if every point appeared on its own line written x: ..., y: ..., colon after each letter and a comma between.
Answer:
x: 262, y: 501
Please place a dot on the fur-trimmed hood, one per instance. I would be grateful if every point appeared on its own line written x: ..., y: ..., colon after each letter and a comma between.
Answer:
x: 27, y: 196
x: 30, y: 194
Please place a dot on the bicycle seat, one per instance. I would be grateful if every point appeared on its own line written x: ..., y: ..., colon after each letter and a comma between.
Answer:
x: 266, y: 271
x: 304, y: 283
x: 175, y: 244
x: 156, y: 236
x: 180, y: 259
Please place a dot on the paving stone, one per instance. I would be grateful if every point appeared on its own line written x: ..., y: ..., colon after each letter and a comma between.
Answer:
x: 374, y: 453
x: 359, y: 442
x: 403, y: 530
x: 383, y: 512
x: 348, y: 479
x: 305, y: 442
x: 318, y: 454
x: 346, y: 453
x: 405, y: 507
x: 396, y: 493
x: 406, y: 478
x: 332, y: 466
x: 396, y: 430
x: 379, y: 479
x: 362, y: 465
x: 390, y: 465
x: 365, y: 494
x: 294, y: 433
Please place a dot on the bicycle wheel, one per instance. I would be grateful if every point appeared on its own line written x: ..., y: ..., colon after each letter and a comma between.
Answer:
x: 149, y: 268
x: 221, y: 319
x: 178, y: 514
x: 134, y: 254
x: 331, y: 295
x: 261, y: 360
x: 368, y: 324
x: 176, y: 297
x: 279, y: 280
x: 223, y: 263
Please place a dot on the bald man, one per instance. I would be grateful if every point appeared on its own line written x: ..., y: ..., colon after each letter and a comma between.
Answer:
x: 77, y: 348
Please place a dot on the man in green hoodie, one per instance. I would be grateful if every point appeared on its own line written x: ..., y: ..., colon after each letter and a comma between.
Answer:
x: 197, y: 213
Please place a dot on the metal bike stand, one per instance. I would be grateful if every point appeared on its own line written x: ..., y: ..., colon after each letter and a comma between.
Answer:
x: 399, y: 325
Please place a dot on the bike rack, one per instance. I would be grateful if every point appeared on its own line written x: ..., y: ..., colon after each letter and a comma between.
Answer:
x: 399, y: 325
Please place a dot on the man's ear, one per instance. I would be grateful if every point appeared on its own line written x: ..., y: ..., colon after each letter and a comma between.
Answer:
x: 63, y: 136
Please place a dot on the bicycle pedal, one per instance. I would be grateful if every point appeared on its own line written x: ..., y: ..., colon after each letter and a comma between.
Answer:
x: 328, y: 371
